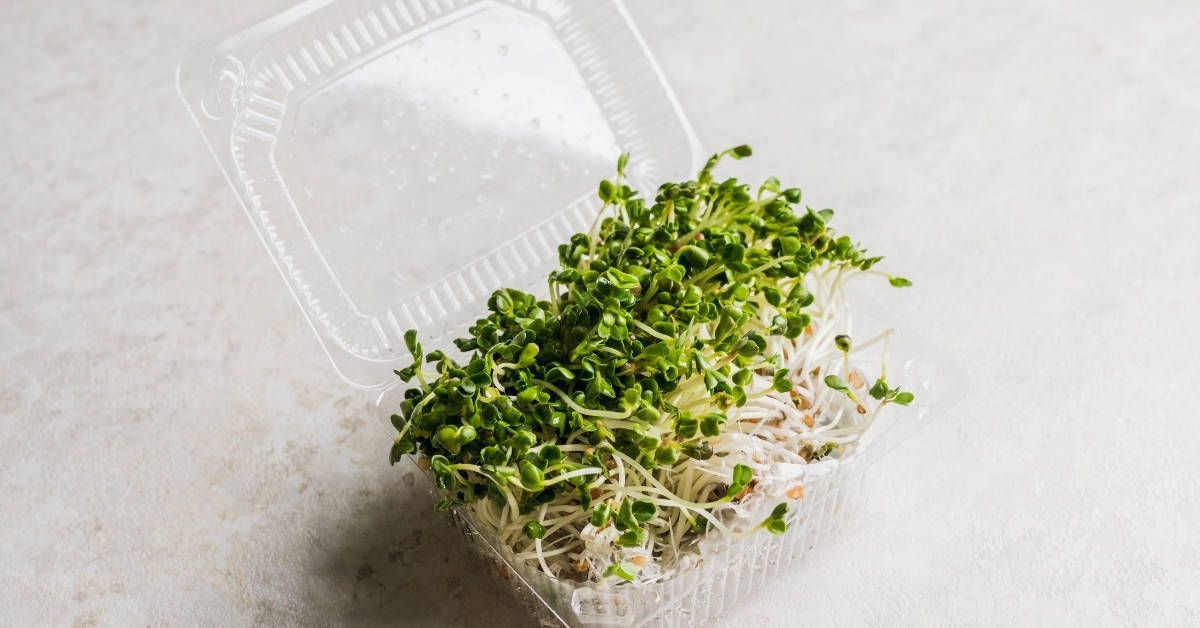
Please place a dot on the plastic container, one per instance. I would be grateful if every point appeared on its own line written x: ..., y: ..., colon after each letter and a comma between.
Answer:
x: 375, y: 144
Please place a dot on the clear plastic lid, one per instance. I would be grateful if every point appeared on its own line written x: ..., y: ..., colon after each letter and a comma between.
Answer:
x: 401, y: 160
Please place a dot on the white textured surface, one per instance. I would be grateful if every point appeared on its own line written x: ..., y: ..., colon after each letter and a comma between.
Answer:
x: 175, y: 450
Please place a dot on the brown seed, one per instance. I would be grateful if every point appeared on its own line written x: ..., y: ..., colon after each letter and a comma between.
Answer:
x: 611, y: 463
x: 581, y: 565
x: 808, y: 420
x: 862, y: 409
x: 796, y: 492
x: 746, y: 491
x: 856, y: 380
x: 640, y: 561
x: 423, y: 463
x: 595, y: 493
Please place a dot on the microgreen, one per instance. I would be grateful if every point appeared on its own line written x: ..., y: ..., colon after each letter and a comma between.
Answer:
x: 662, y: 323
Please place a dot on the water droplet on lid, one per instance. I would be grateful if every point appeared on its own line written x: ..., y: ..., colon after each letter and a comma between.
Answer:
x: 504, y: 96
x: 475, y: 34
x: 535, y: 123
x: 503, y: 50
x: 431, y: 178
x: 479, y: 198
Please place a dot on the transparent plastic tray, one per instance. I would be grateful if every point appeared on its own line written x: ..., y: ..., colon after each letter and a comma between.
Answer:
x: 376, y: 144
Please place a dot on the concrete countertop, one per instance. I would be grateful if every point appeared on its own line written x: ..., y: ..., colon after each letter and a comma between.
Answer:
x: 175, y: 449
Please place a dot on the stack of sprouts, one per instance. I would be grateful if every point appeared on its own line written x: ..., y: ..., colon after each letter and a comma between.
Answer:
x: 691, y: 350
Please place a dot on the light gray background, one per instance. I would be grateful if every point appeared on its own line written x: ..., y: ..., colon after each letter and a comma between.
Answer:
x: 174, y: 448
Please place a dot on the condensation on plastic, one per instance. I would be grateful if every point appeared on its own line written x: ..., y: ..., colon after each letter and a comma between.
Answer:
x: 375, y: 143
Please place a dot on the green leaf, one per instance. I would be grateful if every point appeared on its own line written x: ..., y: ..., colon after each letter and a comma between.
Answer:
x: 686, y: 426
x: 493, y: 455
x: 399, y: 448
x: 904, y: 398
x: 671, y: 272
x: 781, y: 382
x: 836, y: 383
x: 622, y: 280
x: 643, y: 510
x: 531, y: 476
x: 410, y: 341
x: 527, y: 355
x: 606, y: 191
x: 899, y: 282
x: 448, y: 437
x: 879, y: 389
x: 600, y: 515
x: 534, y: 530
x: 710, y: 424
x: 694, y: 256
x: 633, y: 538
x: 551, y: 454
x: 623, y: 570
x: 742, y: 476
x: 439, y: 464
x: 624, y: 518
